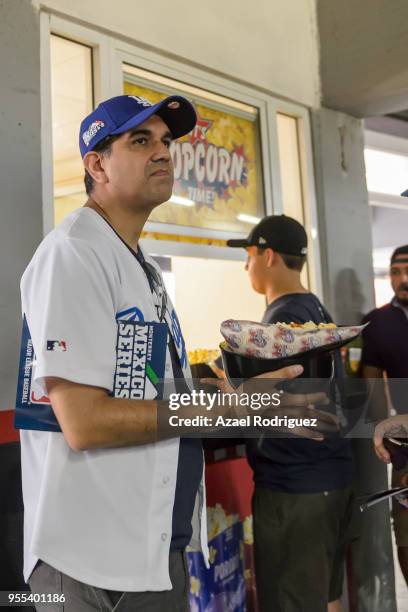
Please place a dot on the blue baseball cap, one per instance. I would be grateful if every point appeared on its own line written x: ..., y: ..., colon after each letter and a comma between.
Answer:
x: 122, y: 113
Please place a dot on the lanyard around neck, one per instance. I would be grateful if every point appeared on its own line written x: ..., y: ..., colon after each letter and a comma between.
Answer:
x: 137, y: 254
x: 177, y: 369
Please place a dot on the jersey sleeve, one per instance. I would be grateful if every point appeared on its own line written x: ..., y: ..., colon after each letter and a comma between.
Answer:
x: 68, y: 302
x: 371, y: 354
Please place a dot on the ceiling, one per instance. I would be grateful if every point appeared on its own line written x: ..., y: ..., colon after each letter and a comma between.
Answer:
x: 363, y: 56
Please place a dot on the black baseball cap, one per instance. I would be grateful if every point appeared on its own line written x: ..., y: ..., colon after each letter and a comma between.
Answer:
x: 278, y: 232
x: 400, y: 251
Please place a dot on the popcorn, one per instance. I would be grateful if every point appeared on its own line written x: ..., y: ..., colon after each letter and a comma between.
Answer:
x: 195, y: 586
x: 202, y: 356
x: 248, y: 530
x: 308, y: 325
x: 212, y: 554
x: 218, y: 521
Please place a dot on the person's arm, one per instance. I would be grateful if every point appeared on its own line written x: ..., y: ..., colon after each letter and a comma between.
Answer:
x: 393, y: 427
x: 377, y: 400
x: 372, y: 372
x: 372, y: 369
x: 89, y: 418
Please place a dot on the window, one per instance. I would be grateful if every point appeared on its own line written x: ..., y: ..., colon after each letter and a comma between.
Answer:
x: 386, y: 161
x: 217, y: 167
x: 290, y: 169
x: 249, y: 156
x: 72, y: 100
x: 386, y: 172
x: 291, y: 177
x: 208, y: 291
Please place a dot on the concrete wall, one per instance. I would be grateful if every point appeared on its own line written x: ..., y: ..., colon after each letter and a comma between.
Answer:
x: 344, y: 224
x: 260, y: 43
x: 20, y: 173
x: 363, y: 56
x: 344, y: 216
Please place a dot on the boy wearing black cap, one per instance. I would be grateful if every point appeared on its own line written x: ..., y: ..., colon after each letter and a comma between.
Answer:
x: 385, y: 349
x: 303, y: 499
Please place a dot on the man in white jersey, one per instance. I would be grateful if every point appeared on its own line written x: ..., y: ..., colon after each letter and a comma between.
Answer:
x: 108, y: 500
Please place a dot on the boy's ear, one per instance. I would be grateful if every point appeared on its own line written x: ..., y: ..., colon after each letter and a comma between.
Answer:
x: 270, y: 257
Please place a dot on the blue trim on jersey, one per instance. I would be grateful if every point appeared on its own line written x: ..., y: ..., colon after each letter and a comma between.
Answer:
x: 141, y: 350
x: 130, y: 314
x: 31, y: 412
x: 178, y: 339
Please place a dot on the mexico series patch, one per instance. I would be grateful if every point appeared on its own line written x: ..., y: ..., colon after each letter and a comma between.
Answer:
x: 140, y: 360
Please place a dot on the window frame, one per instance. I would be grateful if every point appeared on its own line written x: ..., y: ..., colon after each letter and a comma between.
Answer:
x: 109, y: 54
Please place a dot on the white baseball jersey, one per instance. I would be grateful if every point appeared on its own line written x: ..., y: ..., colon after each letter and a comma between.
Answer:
x: 103, y: 517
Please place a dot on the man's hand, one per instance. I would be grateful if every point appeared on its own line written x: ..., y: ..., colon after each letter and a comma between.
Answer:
x: 394, y: 427
x: 292, y: 405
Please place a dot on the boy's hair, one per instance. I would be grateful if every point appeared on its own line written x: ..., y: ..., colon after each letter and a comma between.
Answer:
x: 293, y: 262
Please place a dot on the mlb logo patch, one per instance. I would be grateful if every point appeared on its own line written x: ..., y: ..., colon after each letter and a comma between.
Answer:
x: 56, y: 345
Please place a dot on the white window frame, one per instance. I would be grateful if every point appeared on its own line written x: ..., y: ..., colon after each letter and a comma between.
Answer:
x: 109, y: 54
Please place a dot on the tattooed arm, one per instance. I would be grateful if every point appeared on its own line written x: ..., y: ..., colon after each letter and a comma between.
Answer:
x: 394, y: 427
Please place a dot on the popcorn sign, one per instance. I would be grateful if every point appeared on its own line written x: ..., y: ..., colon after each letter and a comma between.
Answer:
x: 205, y: 170
x: 221, y: 588
x: 217, y: 167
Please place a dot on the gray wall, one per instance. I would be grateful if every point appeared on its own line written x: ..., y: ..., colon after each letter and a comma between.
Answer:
x: 363, y: 55
x: 346, y: 246
x: 247, y: 42
x: 343, y: 214
x: 20, y: 173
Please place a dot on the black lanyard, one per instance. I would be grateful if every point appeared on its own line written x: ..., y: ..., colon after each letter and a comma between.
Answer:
x: 181, y: 385
x: 141, y: 260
